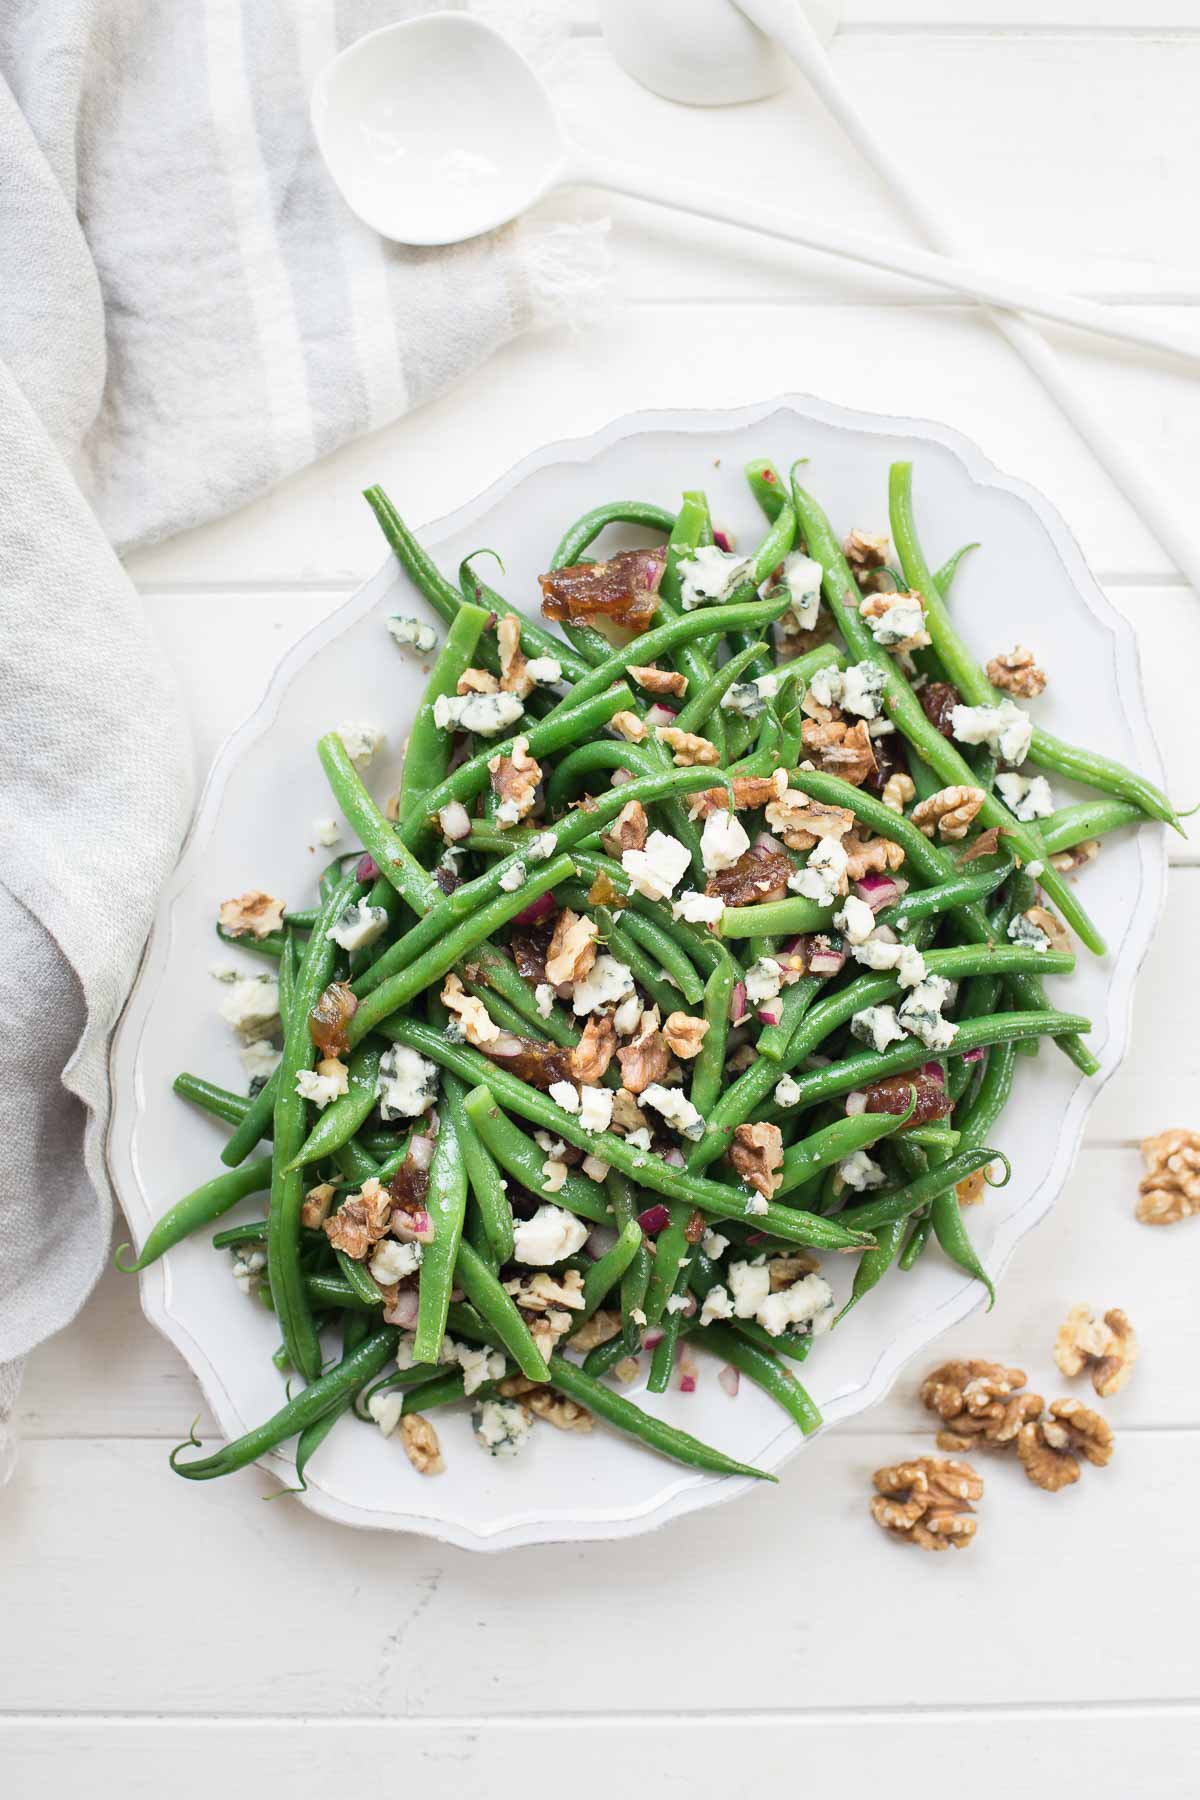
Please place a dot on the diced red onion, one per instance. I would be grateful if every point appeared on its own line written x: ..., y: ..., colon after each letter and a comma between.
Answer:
x: 654, y: 1220
x: 723, y: 541
x: 880, y: 890
x: 764, y: 841
x: 403, y: 1312
x: 730, y: 1379
x: 827, y: 962
x: 855, y: 1103
x: 660, y: 713
x: 676, y: 1158
x: 413, y: 1227
x: 687, y: 1384
x: 935, y: 1072
x: 688, y: 1372
x: 541, y: 908
x: 420, y: 1149
x: 769, y: 1015
x: 652, y: 1338
x: 737, y: 1003
x: 974, y: 1056
x: 490, y: 621
x: 368, y: 869
x: 755, y: 1237
x: 600, y: 1240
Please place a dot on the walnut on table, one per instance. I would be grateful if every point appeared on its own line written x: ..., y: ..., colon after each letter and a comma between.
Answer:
x: 421, y: 1446
x: 978, y: 1403
x: 1107, y: 1348
x: 1050, y: 1448
x: 253, y: 914
x: 927, y: 1502
x: 1171, y: 1189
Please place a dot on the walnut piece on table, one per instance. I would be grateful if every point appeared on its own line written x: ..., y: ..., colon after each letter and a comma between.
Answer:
x: 421, y: 1445
x: 1050, y: 1448
x: 927, y: 1502
x: 1107, y: 1348
x: 1171, y: 1189
x: 978, y: 1403
x: 1017, y: 673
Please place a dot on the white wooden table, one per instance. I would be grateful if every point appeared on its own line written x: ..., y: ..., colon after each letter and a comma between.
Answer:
x: 160, y: 1639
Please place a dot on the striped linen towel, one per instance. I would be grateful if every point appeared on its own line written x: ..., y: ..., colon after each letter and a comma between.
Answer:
x: 189, y: 313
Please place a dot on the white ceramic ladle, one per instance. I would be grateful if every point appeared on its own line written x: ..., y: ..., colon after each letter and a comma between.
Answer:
x: 436, y: 130
x: 709, y: 52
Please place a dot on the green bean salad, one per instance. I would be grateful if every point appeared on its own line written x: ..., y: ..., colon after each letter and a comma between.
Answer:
x: 701, y: 942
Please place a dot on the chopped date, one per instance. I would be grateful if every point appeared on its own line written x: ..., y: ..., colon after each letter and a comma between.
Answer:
x: 938, y: 701
x: 329, y: 1018
x: 892, y: 1096
x: 623, y: 589
x: 760, y: 874
x: 531, y: 945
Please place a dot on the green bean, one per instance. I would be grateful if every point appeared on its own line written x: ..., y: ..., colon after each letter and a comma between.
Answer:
x: 498, y: 1310
x: 804, y: 1161
x: 287, y: 1186
x: 256, y: 1123
x: 605, y: 1273
x: 487, y: 1186
x: 765, y: 1372
x: 708, y: 1069
x: 210, y: 1098
x: 918, y: 1239
x: 707, y: 699
x: 887, y: 1204
x: 1070, y: 825
x: 924, y: 903
x: 584, y: 532
x: 523, y: 1159
x: 199, y: 1208
x: 252, y: 1231
x: 339, y: 1122
x: 615, y: 1410
x: 874, y: 1264
x: 772, y: 1044
x: 625, y: 947
x: 270, y: 946
x: 353, y: 1372
x: 354, y: 1329
x: 636, y: 1279
x: 604, y: 1357
x: 949, y: 569
x: 662, y: 1360
x: 991, y: 1096
x: 427, y: 755
x: 951, y: 1232
x: 446, y: 1204
x: 497, y: 972
x: 672, y: 960
x: 934, y: 1137
x: 784, y: 918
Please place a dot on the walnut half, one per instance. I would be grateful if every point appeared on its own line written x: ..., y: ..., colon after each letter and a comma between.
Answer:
x: 927, y: 1502
x: 1050, y: 1448
x: 1106, y: 1347
x: 1171, y: 1189
x: 421, y: 1444
x: 978, y: 1403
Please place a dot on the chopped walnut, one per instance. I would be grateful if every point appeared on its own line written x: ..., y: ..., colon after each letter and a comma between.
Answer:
x: 786, y: 1270
x: 317, y: 1203
x: 898, y: 790
x: 986, y: 844
x: 604, y: 892
x: 790, y: 642
x: 876, y: 605
x: 601, y: 1328
x: 627, y: 1114
x: 801, y: 822
x: 1106, y: 1347
x: 867, y: 556
x: 514, y: 674
x: 759, y: 874
x: 1050, y: 1448
x: 684, y: 1034
x: 630, y: 726
x: 362, y: 1220
x: 1066, y: 862
x: 927, y: 1502
x: 1017, y: 673
x: 978, y: 1402
x: 1055, y: 930
x: 514, y: 781
x: 572, y: 948
x: 477, y: 1024
x: 557, y: 1410
x: 1171, y: 1190
x: 627, y: 1370
x: 421, y: 1445
x: 687, y: 750
x: 645, y: 1059
x: 658, y: 681
x: 253, y: 914
x: 515, y: 1387
x: 477, y: 681
x: 749, y: 792
x: 629, y: 830
x: 949, y: 812
x: 757, y: 1154
x: 595, y: 1050
x: 540, y: 1290
x: 871, y: 856
x: 840, y: 749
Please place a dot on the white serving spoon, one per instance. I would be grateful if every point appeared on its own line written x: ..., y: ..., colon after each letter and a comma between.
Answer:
x: 724, y: 60
x: 436, y: 130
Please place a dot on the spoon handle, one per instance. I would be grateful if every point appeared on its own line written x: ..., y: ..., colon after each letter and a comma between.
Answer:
x: 1163, y: 512
x: 980, y: 281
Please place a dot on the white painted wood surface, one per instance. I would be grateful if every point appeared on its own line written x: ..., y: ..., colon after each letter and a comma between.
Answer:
x: 158, y: 1638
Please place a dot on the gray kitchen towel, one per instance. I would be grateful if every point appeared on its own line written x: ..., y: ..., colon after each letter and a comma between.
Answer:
x: 188, y: 313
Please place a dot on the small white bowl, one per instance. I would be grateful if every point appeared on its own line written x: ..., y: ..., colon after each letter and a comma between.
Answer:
x: 1028, y: 583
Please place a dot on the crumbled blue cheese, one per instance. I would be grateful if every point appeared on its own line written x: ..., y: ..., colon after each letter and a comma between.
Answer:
x: 714, y: 1245
x: 548, y: 1237
x: 1034, y: 869
x: 877, y: 1026
x: 826, y: 686
x: 413, y: 634
x: 392, y: 1261
x: 360, y: 925
x: 904, y: 618
x: 326, y: 831
x: 697, y: 908
x: 639, y: 1139
x: 329, y: 1083
x: 541, y: 847
x: 862, y: 690
x: 921, y: 1013
x: 749, y: 1285
x: 747, y: 698
x: 260, y: 1061
x: 1027, y: 797
x: 595, y: 1108
x: 252, y: 1007
x: 855, y: 921
x: 1004, y: 728
x: 502, y: 1427
x: 822, y: 877
x: 879, y: 953
x: 386, y: 1410
x: 861, y: 1171
x: 718, y: 1304
x: 566, y: 1095
x: 606, y: 982
x: 478, y: 1365
x: 486, y: 714
x: 657, y: 870
x: 407, y: 1084
x: 595, y: 1169
x: 544, y: 670
x: 722, y: 841
x: 678, y: 1303
x: 711, y: 575
x: 543, y: 996
x: 802, y: 578
x: 361, y: 742
x: 513, y: 878
x: 628, y: 1016
x: 787, y: 1091
x: 1024, y: 931
x: 764, y: 978
x: 675, y: 1107
x: 248, y: 1265
x: 806, y: 1308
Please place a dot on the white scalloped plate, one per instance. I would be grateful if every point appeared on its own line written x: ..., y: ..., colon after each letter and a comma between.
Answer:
x: 1028, y: 583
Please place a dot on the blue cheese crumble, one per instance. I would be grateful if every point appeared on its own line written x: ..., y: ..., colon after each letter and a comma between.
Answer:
x: 606, y: 983
x: 361, y: 742
x: 1027, y: 797
x: 861, y: 1171
x: 1023, y: 930
x: 1004, y: 728
x: 862, y: 690
x: 406, y: 1085
x: 502, y: 1427
x: 711, y: 575
x: 823, y: 877
x: 921, y: 1013
x: 675, y: 1107
x: 802, y: 578
x: 486, y: 714
x: 360, y: 925
x: 877, y: 1026
x: 413, y: 634
x: 657, y: 870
